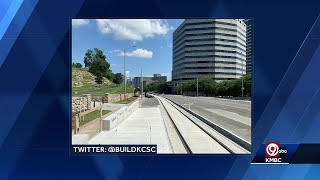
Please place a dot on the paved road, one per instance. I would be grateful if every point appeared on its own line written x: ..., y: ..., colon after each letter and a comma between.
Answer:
x: 149, y: 102
x: 233, y: 115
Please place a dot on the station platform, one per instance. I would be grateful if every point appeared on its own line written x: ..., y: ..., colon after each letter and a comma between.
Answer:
x: 144, y: 126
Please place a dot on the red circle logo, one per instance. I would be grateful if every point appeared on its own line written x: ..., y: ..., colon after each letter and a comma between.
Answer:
x: 272, y: 149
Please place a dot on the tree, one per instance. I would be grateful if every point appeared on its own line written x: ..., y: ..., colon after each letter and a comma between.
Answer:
x: 98, y: 67
x: 222, y: 88
x: 207, y: 86
x: 163, y: 87
x: 88, y: 58
x: 77, y: 65
x: 234, y: 87
x: 95, y: 60
x: 109, y: 75
x: 99, y: 79
x: 117, y: 78
x: 94, y: 56
x: 247, y: 84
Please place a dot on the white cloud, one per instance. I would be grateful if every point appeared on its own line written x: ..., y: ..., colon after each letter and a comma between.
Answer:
x: 114, y: 51
x: 113, y: 64
x: 133, y: 29
x: 139, y: 53
x: 79, y: 22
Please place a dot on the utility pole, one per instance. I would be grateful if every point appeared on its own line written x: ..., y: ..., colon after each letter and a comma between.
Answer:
x: 181, y: 83
x: 141, y: 84
x: 177, y: 85
x: 197, y: 87
x: 242, y: 88
x: 124, y: 73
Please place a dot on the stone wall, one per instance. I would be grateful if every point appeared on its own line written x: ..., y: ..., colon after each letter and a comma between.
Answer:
x: 109, y: 98
x: 82, y: 103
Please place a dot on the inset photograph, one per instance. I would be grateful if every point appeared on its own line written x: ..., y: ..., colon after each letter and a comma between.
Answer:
x: 183, y: 85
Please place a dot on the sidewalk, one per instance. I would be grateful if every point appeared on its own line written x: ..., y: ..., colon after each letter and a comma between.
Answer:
x: 144, y: 126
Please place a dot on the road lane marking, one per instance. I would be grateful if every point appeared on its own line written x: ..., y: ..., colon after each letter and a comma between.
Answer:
x: 231, y: 115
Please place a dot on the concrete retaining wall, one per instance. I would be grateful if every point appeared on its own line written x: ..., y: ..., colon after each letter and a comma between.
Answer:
x: 81, y: 103
x: 80, y: 139
x: 116, y: 118
x: 109, y: 98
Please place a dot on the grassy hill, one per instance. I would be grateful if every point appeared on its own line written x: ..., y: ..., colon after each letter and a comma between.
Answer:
x: 84, y: 82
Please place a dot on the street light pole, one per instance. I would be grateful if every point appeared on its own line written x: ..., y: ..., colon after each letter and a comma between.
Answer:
x: 177, y: 86
x: 141, y: 84
x: 181, y: 83
x: 124, y: 71
x: 242, y: 88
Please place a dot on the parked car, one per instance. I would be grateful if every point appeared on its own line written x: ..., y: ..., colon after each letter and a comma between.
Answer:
x: 148, y: 95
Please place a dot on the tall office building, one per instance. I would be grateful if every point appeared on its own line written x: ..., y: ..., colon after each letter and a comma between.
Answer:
x: 209, y: 47
x: 249, y: 44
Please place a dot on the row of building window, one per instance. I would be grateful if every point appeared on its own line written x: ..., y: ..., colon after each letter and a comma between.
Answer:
x: 204, y: 62
x: 208, y: 56
x: 207, y: 45
x: 176, y: 55
x: 211, y: 73
x: 187, y: 79
x: 213, y: 28
x: 177, y: 40
x: 209, y: 22
x: 177, y: 46
x: 206, y: 22
x: 178, y: 66
x: 212, y: 67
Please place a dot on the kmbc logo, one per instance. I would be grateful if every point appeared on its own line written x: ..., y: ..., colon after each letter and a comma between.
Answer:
x: 274, y: 152
x: 272, y: 149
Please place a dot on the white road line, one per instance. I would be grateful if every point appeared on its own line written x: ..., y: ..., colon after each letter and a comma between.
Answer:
x: 231, y: 115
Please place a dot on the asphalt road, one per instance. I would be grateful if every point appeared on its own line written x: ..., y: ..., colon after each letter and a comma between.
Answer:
x: 149, y: 102
x: 233, y: 115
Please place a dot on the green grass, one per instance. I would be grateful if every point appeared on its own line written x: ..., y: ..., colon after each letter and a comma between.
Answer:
x: 115, y: 90
x: 87, y: 79
x: 91, y: 116
x: 86, y: 88
x: 127, y: 101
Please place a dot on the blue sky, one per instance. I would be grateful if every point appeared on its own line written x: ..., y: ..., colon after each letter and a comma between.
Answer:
x: 152, y: 38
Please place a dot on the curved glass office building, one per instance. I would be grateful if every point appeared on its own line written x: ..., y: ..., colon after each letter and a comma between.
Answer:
x: 209, y: 47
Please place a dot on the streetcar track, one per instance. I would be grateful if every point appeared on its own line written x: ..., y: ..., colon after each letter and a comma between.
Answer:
x: 184, y: 142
